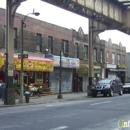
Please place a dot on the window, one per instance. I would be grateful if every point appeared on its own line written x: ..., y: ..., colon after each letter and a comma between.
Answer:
x: 15, y: 38
x: 50, y: 45
x: 65, y: 46
x: 39, y: 43
x: 101, y: 56
x: 113, y: 58
x: 107, y: 57
x: 85, y: 51
x: 95, y: 54
x: 123, y: 59
x: 5, y: 36
x: 76, y: 50
x: 118, y: 59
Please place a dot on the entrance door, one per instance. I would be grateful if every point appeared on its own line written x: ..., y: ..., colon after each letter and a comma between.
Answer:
x: 25, y: 79
x: 80, y: 84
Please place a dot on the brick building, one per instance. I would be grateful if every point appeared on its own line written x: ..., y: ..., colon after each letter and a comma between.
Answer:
x: 39, y: 36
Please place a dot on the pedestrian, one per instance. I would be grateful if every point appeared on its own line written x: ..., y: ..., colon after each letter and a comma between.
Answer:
x: 2, y: 87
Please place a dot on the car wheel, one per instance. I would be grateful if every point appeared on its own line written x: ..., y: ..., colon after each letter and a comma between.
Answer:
x: 121, y: 92
x: 111, y: 94
x: 94, y: 95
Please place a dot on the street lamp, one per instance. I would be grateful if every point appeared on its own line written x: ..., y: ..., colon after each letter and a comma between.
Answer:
x: 23, y: 25
x: 60, y: 76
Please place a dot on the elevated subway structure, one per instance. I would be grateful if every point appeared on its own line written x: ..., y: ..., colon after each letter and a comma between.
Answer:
x: 103, y: 15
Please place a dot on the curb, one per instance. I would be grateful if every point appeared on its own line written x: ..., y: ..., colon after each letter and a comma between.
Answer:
x: 36, y: 103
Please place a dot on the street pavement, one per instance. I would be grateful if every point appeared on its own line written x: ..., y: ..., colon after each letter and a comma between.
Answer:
x: 49, y: 99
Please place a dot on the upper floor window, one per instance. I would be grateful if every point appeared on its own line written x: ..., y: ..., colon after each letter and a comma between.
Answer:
x: 76, y: 50
x: 39, y: 42
x: 119, y: 59
x: 107, y: 57
x: 15, y: 38
x: 95, y: 54
x: 101, y: 56
x: 123, y: 59
x: 113, y: 58
x: 50, y: 45
x: 65, y: 46
x: 85, y: 51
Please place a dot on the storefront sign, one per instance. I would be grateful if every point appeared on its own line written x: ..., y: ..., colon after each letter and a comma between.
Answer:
x: 66, y: 62
x: 31, y: 63
x: 121, y: 67
x: 111, y: 66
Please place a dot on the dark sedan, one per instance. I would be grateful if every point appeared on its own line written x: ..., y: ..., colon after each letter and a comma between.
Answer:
x: 108, y: 86
x: 126, y: 87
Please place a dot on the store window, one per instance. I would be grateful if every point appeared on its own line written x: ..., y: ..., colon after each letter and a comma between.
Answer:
x: 32, y: 77
x: 39, y: 77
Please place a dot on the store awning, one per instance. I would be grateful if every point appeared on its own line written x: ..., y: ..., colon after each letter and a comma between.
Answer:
x: 31, y: 63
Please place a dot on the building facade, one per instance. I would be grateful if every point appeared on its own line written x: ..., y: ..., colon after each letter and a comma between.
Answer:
x: 51, y: 42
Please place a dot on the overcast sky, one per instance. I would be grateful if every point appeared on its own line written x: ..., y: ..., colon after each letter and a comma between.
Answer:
x: 63, y: 18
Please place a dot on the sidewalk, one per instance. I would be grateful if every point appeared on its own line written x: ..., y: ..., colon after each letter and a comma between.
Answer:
x: 49, y: 99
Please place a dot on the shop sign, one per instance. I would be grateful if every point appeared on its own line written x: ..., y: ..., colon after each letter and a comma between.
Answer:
x: 66, y: 62
x: 111, y: 66
x: 29, y: 64
x: 34, y: 65
x: 97, y: 71
x: 121, y: 67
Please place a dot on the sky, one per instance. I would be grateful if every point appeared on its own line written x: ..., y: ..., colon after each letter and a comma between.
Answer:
x: 64, y: 18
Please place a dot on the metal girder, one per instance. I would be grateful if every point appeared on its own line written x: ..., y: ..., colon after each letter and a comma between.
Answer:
x: 13, y: 5
x: 85, y: 12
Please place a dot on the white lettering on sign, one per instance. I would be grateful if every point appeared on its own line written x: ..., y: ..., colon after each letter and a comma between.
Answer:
x: 98, y: 6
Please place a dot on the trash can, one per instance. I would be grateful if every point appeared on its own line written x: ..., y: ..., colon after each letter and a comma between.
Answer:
x: 27, y: 96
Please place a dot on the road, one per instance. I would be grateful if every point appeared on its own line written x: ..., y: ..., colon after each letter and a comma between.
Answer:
x: 101, y: 113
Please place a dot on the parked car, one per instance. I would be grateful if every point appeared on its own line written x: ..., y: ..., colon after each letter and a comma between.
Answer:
x: 126, y: 87
x: 108, y: 86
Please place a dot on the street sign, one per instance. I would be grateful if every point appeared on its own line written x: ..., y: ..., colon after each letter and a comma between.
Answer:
x: 24, y: 56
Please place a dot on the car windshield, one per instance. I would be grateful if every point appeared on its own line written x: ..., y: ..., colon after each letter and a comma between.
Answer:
x: 105, y: 81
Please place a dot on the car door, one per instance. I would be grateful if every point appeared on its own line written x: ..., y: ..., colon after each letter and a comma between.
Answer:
x: 114, y: 85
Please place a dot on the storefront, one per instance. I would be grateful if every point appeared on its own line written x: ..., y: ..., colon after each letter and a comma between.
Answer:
x: 68, y: 65
x: 35, y: 69
x: 81, y: 78
x: 111, y: 71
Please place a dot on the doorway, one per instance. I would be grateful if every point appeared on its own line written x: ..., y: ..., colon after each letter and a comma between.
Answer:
x: 80, y: 84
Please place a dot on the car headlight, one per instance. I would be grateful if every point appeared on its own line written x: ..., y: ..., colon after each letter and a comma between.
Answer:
x: 108, y: 86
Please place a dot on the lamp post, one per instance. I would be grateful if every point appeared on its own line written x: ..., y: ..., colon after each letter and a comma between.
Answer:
x: 60, y: 77
x: 21, y: 87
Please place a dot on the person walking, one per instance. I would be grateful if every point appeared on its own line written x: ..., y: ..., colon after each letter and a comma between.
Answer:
x: 2, y: 87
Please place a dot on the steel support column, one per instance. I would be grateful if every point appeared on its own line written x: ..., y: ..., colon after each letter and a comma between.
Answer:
x: 94, y: 29
x: 11, y: 6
